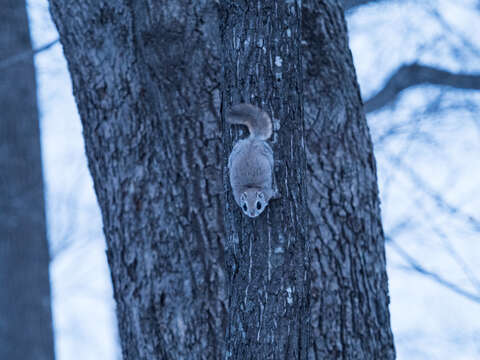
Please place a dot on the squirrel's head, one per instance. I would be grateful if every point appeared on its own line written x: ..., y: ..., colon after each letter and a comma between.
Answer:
x: 253, y: 202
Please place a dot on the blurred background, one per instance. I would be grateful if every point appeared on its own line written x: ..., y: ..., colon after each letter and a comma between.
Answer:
x: 418, y: 65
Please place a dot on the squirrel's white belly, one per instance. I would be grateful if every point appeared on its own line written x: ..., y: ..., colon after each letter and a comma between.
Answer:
x: 252, y: 166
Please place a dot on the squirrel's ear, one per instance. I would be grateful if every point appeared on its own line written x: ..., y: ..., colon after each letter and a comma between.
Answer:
x: 243, y: 197
x: 261, y: 195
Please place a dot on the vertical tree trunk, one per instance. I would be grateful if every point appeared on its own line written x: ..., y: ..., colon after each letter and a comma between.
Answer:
x: 267, y: 257
x: 25, y: 315
x: 145, y: 77
x: 350, y: 317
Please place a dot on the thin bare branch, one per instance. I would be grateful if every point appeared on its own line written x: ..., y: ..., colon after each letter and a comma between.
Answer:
x: 457, y: 258
x: 416, y: 266
x: 351, y: 4
x: 416, y: 74
x: 435, y: 195
x: 5, y: 63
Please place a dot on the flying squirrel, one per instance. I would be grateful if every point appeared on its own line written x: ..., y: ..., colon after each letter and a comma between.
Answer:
x: 251, y: 163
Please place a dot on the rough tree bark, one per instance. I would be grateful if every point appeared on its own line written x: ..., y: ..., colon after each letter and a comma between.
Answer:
x: 147, y: 78
x: 267, y: 257
x: 350, y: 317
x: 25, y: 315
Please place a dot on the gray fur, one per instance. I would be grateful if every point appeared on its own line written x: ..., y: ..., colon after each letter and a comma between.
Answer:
x: 258, y: 122
x: 251, y: 161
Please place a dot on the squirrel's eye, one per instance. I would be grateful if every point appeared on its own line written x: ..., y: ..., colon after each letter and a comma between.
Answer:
x: 245, y: 207
x: 259, y: 205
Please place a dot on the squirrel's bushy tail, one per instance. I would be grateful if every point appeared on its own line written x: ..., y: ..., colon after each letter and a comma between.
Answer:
x: 257, y: 121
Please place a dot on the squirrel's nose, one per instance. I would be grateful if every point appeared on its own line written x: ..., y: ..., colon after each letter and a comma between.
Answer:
x: 252, y: 213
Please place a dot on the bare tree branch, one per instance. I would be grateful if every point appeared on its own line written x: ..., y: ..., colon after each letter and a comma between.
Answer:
x: 415, y: 265
x: 436, y: 196
x: 416, y: 74
x: 458, y: 258
x: 350, y: 4
x: 5, y: 63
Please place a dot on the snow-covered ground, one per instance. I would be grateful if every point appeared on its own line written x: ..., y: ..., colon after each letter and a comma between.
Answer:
x: 428, y: 155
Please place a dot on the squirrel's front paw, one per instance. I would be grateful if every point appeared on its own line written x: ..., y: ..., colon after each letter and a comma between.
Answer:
x: 276, y: 195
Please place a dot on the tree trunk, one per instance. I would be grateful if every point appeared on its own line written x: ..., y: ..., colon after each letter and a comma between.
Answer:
x: 267, y: 257
x: 147, y: 78
x: 25, y: 314
x: 350, y: 317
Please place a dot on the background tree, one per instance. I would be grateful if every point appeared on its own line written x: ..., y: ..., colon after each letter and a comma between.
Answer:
x: 25, y: 315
